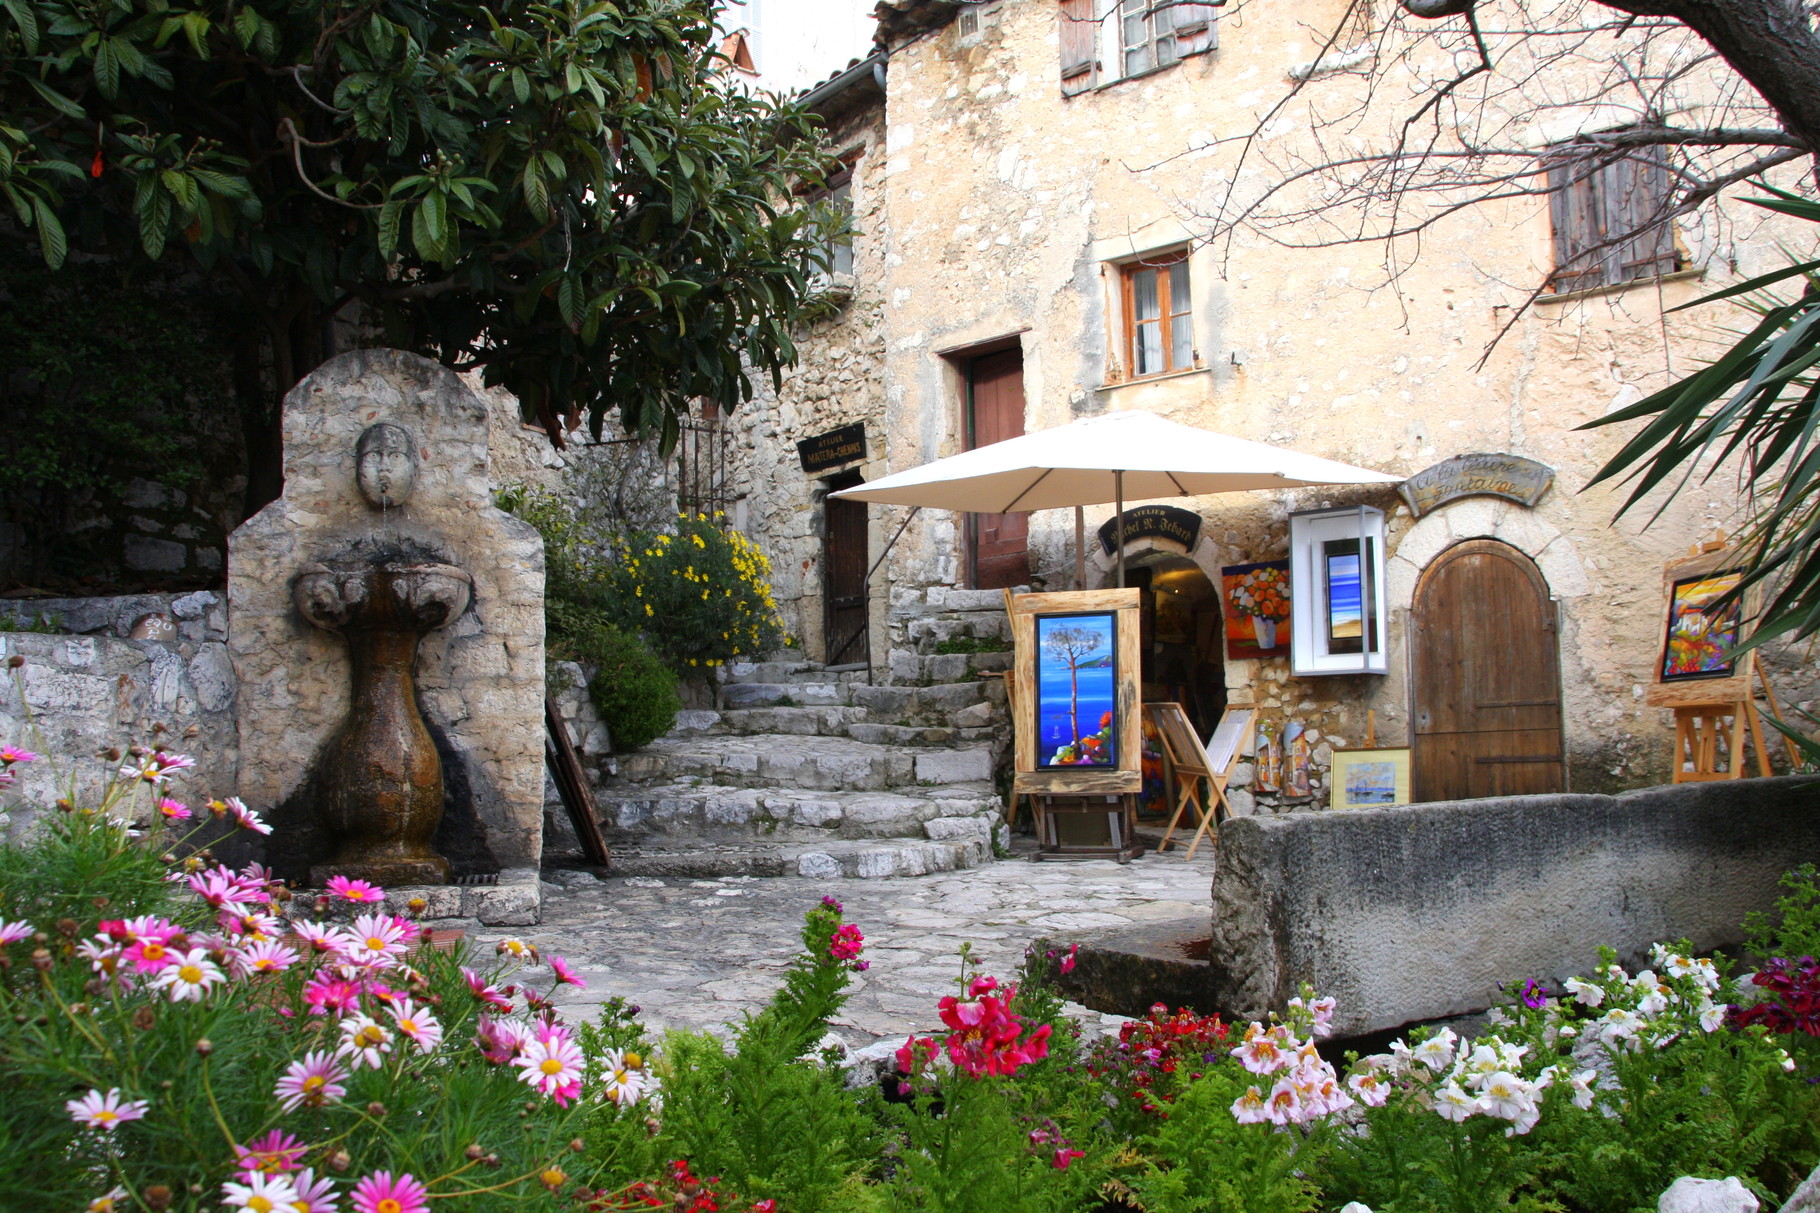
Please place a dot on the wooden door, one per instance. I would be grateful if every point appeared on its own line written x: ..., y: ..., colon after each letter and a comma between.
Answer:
x: 844, y: 558
x: 1000, y: 543
x: 1486, y: 677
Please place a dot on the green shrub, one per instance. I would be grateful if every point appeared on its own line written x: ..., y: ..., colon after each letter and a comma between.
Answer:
x: 631, y: 688
x: 973, y: 644
x: 1792, y: 928
x: 702, y: 595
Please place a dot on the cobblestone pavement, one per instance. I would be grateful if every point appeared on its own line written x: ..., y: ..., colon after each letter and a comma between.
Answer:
x: 699, y: 953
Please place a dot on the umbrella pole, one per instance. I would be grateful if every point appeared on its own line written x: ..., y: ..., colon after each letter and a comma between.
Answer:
x: 1118, y: 488
x: 1080, y: 550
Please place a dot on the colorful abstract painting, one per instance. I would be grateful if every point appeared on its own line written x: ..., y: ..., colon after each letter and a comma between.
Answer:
x: 1698, y: 639
x: 1077, y: 690
x: 1256, y: 597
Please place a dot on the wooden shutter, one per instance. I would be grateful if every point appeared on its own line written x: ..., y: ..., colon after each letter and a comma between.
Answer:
x: 1080, y: 45
x: 1635, y: 196
x: 1573, y: 206
x: 1195, y: 29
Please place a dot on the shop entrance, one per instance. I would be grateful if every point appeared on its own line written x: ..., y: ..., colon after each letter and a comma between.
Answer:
x: 844, y: 557
x: 1486, y: 677
x: 1182, y: 636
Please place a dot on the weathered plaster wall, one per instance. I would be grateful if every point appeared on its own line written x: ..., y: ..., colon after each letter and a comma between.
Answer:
x: 1006, y: 208
x: 1427, y: 911
x: 480, y: 679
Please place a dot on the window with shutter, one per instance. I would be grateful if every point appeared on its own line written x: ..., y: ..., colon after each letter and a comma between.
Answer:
x: 1080, y: 37
x: 1158, y: 314
x: 1606, y: 219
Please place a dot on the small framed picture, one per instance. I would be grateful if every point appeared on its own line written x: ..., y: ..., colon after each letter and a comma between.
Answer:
x: 1368, y: 779
x: 1699, y: 639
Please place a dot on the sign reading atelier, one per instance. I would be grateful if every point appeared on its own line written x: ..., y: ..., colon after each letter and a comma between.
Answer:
x: 1153, y: 522
x: 1511, y: 477
x: 831, y: 450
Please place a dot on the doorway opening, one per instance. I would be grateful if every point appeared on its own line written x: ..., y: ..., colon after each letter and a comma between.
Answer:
x: 1485, y: 677
x: 998, y: 545
x: 1182, y: 635
x: 846, y: 553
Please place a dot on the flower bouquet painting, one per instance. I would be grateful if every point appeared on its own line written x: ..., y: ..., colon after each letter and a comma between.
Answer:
x: 1077, y: 690
x: 1257, y: 609
x: 1700, y: 638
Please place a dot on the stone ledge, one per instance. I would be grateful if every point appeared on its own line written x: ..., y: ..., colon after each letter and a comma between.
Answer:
x: 516, y: 901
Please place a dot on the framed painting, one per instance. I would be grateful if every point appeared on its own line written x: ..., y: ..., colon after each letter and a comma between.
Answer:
x: 1368, y: 779
x: 1076, y: 698
x: 1699, y: 638
x: 1256, y: 599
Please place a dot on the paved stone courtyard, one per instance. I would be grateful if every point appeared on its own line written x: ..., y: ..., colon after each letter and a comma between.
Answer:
x: 699, y: 953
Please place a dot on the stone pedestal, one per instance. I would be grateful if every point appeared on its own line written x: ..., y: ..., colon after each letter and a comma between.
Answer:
x: 477, y: 677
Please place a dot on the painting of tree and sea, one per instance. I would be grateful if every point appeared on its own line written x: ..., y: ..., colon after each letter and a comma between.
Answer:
x: 1076, y: 690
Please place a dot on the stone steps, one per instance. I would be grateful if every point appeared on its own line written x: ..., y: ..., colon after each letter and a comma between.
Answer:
x: 791, y: 671
x: 875, y: 860
x: 784, y: 814
x: 783, y: 760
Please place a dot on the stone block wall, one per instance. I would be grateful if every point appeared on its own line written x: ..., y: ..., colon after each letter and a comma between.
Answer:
x: 93, y: 686
x: 1425, y: 911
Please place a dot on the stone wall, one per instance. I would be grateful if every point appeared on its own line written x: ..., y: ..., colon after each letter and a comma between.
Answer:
x: 94, y: 686
x: 1426, y: 911
x: 480, y: 679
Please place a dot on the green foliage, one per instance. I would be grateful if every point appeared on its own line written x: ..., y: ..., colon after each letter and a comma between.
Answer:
x: 43, y: 623
x: 1759, y: 400
x: 1792, y: 928
x: 1411, y: 1161
x: 629, y: 685
x: 703, y: 595
x: 568, y: 196
x: 1200, y: 1160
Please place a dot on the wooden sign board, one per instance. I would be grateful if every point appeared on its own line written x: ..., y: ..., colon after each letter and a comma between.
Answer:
x: 1678, y: 679
x: 1078, y: 710
x: 834, y: 449
x: 1511, y: 477
x: 1153, y: 522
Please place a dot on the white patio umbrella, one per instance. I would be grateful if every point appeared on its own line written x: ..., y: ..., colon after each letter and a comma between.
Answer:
x: 1113, y: 457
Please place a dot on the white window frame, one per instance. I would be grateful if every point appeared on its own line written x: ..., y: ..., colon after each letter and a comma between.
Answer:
x: 1310, y: 531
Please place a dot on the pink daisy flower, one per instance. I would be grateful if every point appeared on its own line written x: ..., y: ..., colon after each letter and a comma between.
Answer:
x: 377, y: 939
x: 273, y: 1154
x: 98, y: 1111
x: 260, y: 1194
x: 13, y: 932
x: 102, y: 958
x: 266, y: 956
x: 380, y: 1193
x: 189, y: 975
x: 551, y: 1061
x: 311, y: 1082
x: 417, y: 1023
x: 9, y: 754
x: 224, y: 890
x: 356, y: 891
x: 501, y: 1040
x: 364, y: 1041
x: 174, y: 810
x: 486, y: 992
x: 150, y: 956
x: 319, y: 936
x: 565, y: 976
x: 314, y: 1195
x: 326, y: 992
x: 245, y: 818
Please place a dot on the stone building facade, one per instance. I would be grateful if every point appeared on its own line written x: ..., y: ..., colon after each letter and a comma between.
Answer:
x: 1002, y: 213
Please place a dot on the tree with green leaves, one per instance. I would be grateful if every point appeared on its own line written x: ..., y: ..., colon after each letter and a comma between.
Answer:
x: 566, y: 195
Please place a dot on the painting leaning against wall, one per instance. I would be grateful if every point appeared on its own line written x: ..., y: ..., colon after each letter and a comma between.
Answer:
x: 1076, y: 690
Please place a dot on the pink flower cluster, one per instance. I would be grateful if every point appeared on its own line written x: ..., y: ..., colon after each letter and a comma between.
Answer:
x: 845, y: 944
x: 1306, y: 1087
x: 984, y: 1037
x: 11, y: 755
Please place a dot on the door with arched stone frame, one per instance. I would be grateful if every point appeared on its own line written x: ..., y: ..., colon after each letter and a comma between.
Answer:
x: 1485, y: 677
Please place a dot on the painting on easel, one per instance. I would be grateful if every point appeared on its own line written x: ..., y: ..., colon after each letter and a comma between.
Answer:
x: 1076, y: 690
x: 1700, y: 638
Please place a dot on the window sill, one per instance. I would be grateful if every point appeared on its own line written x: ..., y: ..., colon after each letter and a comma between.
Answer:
x: 1193, y: 370
x: 1613, y: 288
x: 1103, y: 85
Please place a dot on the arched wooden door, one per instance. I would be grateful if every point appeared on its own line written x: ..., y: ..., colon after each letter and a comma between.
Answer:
x: 1486, y: 677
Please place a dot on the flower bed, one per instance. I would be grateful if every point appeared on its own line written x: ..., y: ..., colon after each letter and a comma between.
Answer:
x: 179, y: 1035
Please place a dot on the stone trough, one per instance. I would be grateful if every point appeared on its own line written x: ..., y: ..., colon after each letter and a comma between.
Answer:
x: 1426, y: 911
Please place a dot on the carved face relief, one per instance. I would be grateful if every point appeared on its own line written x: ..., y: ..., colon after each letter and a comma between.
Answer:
x: 386, y: 465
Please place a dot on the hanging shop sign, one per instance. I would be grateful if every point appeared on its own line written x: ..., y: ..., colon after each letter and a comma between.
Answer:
x: 1153, y: 522
x: 833, y: 449
x: 1511, y: 477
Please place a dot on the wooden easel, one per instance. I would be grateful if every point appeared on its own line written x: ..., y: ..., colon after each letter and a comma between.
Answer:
x: 1194, y: 762
x: 1714, y: 716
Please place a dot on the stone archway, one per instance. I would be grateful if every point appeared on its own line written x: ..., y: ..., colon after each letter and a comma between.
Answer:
x: 1484, y: 518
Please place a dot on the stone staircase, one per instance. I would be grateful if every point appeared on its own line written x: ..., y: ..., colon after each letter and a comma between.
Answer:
x: 804, y: 771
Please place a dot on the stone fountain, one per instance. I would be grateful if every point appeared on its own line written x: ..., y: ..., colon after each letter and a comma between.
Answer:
x: 386, y: 625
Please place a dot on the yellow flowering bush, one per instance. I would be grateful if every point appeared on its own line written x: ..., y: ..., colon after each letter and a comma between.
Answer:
x: 701, y: 596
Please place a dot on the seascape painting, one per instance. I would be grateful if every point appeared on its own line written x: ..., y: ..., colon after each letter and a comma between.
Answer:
x: 1371, y: 783
x: 1699, y: 642
x: 1076, y: 690
x: 1346, y: 592
x: 1375, y: 778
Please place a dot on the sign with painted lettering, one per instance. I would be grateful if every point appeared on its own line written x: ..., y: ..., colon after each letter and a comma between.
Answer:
x: 831, y: 450
x: 1153, y: 522
x: 1511, y: 477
